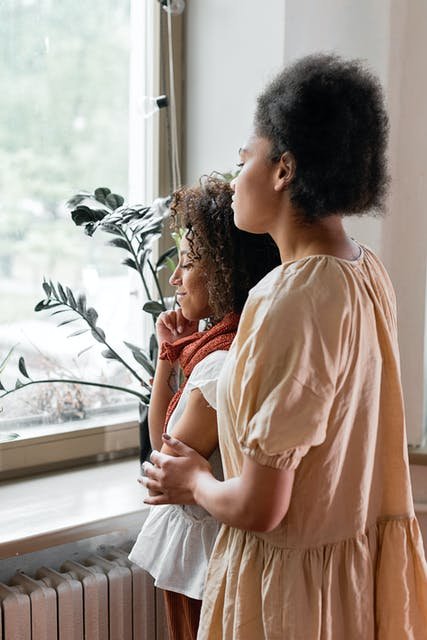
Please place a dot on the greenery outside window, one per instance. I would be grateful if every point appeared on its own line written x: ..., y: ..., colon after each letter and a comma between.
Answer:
x: 72, y: 117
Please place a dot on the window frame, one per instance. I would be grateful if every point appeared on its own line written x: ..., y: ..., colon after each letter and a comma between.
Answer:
x: 112, y: 438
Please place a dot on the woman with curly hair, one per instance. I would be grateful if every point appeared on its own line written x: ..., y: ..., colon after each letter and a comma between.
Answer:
x: 218, y: 264
x: 320, y: 540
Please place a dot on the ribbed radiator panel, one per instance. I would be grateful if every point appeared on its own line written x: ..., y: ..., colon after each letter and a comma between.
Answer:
x: 70, y: 602
x: 103, y: 598
x: 16, y: 614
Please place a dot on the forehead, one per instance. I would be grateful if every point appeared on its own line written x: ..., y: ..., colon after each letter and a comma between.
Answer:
x: 256, y: 145
x: 184, y: 245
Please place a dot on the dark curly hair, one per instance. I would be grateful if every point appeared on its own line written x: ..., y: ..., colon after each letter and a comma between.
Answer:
x: 234, y: 260
x: 329, y: 113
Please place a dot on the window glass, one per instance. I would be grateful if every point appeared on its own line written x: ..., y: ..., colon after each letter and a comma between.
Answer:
x: 64, y: 68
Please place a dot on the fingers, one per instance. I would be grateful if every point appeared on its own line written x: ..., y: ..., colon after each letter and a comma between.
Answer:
x: 157, y: 460
x: 156, y: 499
x: 153, y: 487
x: 168, y: 320
x: 180, y: 448
x: 176, y: 322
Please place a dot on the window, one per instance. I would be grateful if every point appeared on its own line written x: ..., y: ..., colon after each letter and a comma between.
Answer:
x: 75, y: 75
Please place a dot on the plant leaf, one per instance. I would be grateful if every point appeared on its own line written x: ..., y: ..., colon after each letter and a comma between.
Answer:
x: 22, y: 368
x: 178, y: 236
x: 114, y: 201
x: 153, y: 307
x: 2, y: 388
x: 54, y: 313
x: 47, y: 288
x: 92, y: 315
x: 40, y: 306
x: 62, y: 293
x: 130, y: 263
x: 171, y: 265
x: 109, y: 355
x: 141, y: 357
x: 4, y: 362
x: 170, y: 253
x: 153, y: 347
x: 131, y: 346
x: 108, y: 227
x: 98, y: 334
x: 80, y: 353
x: 18, y: 384
x: 78, y: 333
x: 71, y: 298
x: 61, y: 324
x: 101, y: 194
x: 53, y: 289
x: 88, y: 214
x: 144, y: 362
x: 81, y: 303
x: 118, y: 242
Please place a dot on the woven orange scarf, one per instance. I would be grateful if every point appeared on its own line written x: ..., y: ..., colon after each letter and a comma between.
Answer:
x: 193, y: 349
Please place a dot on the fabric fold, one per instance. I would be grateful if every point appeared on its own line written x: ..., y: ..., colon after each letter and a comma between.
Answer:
x: 325, y: 593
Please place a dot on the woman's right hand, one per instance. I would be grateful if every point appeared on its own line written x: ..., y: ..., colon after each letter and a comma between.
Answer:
x: 171, y: 479
x: 171, y: 325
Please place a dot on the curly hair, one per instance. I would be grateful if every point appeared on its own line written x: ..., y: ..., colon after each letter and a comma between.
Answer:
x: 233, y: 260
x: 329, y: 113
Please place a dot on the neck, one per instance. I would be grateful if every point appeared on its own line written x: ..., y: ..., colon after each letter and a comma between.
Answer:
x: 326, y: 236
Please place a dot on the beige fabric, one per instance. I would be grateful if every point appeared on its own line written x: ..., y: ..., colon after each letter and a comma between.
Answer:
x: 312, y: 383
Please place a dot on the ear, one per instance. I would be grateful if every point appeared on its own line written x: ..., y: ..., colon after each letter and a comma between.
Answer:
x: 285, y: 171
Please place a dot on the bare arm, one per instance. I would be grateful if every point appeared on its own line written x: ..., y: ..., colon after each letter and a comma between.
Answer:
x: 170, y: 326
x: 257, y: 500
x: 197, y: 427
x: 165, y: 385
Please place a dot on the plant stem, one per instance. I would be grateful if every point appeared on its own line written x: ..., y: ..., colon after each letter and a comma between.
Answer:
x: 123, y: 362
x: 141, y: 397
x: 94, y: 328
x: 156, y: 280
x: 134, y: 255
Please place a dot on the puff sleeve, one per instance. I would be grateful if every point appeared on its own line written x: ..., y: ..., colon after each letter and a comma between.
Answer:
x: 289, y: 354
x: 205, y: 376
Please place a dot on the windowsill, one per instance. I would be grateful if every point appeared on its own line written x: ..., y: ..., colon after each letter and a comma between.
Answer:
x: 58, y: 508
x: 61, y: 507
x: 77, y: 443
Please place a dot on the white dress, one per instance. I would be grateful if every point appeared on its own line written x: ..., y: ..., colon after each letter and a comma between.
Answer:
x: 175, y: 542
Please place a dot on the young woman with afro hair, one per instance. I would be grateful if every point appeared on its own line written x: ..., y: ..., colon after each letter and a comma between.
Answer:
x: 319, y: 538
x: 218, y: 265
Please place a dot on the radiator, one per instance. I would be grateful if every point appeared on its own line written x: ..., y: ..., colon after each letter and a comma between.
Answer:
x: 103, y: 598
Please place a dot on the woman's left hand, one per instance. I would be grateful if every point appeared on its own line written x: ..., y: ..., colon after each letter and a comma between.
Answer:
x: 172, y: 479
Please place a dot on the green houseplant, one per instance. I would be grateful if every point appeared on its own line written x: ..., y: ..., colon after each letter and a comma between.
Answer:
x: 133, y: 230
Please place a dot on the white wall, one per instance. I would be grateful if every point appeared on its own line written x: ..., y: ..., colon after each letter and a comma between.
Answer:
x: 233, y: 48
x: 351, y: 29
x: 405, y: 228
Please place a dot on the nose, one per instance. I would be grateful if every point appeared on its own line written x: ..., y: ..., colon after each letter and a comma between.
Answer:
x: 175, y: 278
x: 233, y: 183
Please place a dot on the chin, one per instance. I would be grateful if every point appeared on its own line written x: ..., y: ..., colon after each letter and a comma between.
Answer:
x: 246, y: 225
x: 189, y: 315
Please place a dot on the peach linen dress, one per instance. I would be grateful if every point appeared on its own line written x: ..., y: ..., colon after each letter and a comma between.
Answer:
x: 312, y: 383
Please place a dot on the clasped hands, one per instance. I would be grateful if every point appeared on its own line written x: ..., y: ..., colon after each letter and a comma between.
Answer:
x: 172, y: 479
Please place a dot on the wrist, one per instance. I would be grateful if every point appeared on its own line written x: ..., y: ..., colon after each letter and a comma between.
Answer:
x: 200, y: 483
x: 165, y: 363
x: 166, y: 353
